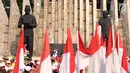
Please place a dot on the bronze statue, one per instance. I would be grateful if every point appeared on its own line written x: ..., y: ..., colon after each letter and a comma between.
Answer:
x: 29, y: 22
x: 105, y: 23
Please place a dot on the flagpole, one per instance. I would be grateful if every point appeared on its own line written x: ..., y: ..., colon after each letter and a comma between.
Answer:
x: 113, y: 45
x: 77, y: 52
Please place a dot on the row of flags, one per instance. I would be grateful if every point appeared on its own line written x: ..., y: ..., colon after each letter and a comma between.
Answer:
x: 98, y: 57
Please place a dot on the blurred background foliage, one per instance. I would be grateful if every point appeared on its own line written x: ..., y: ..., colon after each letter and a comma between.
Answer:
x: 19, y: 2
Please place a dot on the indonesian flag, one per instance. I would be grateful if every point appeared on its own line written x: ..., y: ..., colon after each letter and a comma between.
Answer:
x: 82, y: 55
x: 97, y: 50
x: 68, y: 62
x: 124, y: 63
x: 109, y: 56
x: 112, y: 58
x: 45, y: 62
x: 122, y: 54
x: 19, y: 65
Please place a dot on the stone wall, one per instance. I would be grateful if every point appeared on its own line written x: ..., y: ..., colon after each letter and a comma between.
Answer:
x: 3, y: 30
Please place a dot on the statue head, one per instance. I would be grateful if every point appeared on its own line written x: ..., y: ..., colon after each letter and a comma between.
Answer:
x: 105, y: 14
x: 27, y: 9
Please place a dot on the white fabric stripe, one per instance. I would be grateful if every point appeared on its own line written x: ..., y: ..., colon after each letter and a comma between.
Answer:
x: 21, y: 60
x: 46, y: 65
x: 120, y: 54
x: 65, y: 64
x: 97, y: 61
x: 109, y: 64
x: 83, y: 60
x: 128, y: 67
x: 116, y: 61
x: 123, y: 71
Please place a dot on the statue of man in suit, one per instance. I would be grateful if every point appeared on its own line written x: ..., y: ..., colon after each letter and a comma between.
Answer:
x: 105, y: 23
x: 28, y: 22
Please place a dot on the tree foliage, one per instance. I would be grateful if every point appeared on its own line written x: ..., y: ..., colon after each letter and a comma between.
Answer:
x: 6, y: 4
x: 20, y: 5
x: 20, y: 2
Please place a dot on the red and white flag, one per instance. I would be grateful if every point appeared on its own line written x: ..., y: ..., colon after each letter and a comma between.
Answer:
x: 97, y: 50
x: 122, y: 54
x: 82, y: 55
x: 109, y: 55
x: 124, y: 63
x: 68, y: 60
x: 45, y: 62
x: 19, y: 65
x: 112, y: 58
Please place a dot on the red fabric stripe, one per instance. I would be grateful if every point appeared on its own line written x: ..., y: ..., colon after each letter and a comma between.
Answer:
x: 96, y: 42
x: 124, y: 60
x: 110, y: 43
x: 118, y: 41
x: 82, y: 47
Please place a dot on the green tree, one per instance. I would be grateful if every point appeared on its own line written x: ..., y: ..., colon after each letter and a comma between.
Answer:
x: 20, y: 5
x: 7, y: 6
